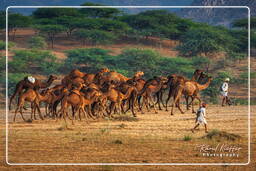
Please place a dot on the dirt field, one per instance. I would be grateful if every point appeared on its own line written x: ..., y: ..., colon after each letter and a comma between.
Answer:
x: 152, y: 138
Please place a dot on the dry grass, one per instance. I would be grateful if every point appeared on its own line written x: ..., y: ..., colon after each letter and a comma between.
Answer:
x: 157, y: 138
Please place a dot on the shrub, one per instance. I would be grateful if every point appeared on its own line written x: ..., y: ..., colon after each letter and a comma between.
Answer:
x: 35, y: 61
x: 2, y: 45
x: 37, y: 42
x: 187, y: 138
x: 95, y: 37
x: 86, y: 59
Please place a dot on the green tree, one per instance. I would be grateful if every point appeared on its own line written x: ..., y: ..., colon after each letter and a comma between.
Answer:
x: 99, y: 12
x: 16, y: 21
x: 243, y: 23
x: 95, y: 36
x: 50, y: 13
x: 37, y: 42
x: 205, y: 40
x: 89, y: 60
x: 36, y: 61
x: 50, y: 31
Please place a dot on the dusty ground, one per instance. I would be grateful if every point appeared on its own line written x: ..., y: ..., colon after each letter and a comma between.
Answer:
x: 153, y: 138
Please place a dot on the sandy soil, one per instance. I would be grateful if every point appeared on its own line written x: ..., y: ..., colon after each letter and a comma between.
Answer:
x: 152, y: 138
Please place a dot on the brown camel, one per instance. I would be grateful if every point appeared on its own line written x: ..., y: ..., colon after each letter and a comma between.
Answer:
x: 95, y: 78
x: 26, y: 84
x: 34, y: 98
x: 114, y: 96
x: 119, y: 78
x: 126, y: 87
x: 151, y: 87
x: 192, y: 88
x: 78, y: 101
x: 178, y: 84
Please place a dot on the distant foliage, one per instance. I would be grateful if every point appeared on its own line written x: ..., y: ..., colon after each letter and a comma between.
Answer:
x: 95, y: 37
x: 50, y: 31
x: 205, y: 40
x: 3, y: 44
x: 86, y: 59
x: 16, y: 21
x: 99, y: 12
x: 37, y: 42
x: 55, y: 12
x: 128, y: 62
x: 34, y: 61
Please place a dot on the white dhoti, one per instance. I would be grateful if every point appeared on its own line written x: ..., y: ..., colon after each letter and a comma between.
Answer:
x: 224, y: 93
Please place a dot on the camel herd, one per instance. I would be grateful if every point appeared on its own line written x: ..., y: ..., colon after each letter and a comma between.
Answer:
x: 106, y: 92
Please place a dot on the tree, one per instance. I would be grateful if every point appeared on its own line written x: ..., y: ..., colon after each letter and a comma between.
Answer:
x: 16, y: 21
x: 99, y: 12
x: 2, y: 19
x: 50, y: 31
x: 243, y: 23
x: 95, y: 36
x: 205, y: 40
x: 37, y: 42
x: 50, y: 13
x: 89, y: 60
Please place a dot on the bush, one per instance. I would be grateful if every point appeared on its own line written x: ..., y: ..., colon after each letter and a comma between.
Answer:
x: 35, y: 61
x: 205, y: 40
x: 37, y: 42
x: 2, y: 45
x: 95, y: 37
x: 187, y: 138
x: 86, y: 59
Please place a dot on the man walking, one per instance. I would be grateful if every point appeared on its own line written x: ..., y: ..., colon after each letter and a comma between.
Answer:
x: 224, y: 92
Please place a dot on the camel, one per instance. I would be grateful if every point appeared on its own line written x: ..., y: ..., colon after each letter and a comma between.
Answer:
x: 25, y: 84
x: 119, y: 78
x: 114, y: 96
x: 176, y: 85
x: 34, y: 98
x: 198, y: 75
x: 192, y: 88
x: 75, y: 76
x: 78, y: 101
x: 126, y: 87
x: 151, y: 87
x: 95, y: 78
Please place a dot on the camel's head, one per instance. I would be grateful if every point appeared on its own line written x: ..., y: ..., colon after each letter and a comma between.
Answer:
x: 139, y: 74
x: 103, y: 70
x: 52, y: 77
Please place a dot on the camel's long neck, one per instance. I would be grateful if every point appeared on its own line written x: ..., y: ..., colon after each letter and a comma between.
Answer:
x: 194, y: 77
x: 204, y: 86
x: 48, y: 82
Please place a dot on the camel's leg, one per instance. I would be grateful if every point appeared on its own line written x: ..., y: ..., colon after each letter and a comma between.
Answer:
x: 15, y: 113
x: 151, y: 100
x: 39, y: 111
x: 131, y: 105
x: 21, y: 112
x: 18, y: 90
x: 168, y: 98
x: 186, y: 97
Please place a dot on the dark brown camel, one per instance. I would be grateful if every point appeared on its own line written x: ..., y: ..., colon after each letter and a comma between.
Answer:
x: 25, y: 84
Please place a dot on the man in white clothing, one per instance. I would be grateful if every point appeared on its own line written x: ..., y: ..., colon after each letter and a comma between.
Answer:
x: 224, y: 92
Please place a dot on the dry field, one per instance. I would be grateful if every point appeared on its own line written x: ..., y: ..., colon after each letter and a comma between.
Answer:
x: 151, y: 138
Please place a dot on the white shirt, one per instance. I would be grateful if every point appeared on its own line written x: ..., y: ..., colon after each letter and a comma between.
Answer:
x: 224, y: 86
